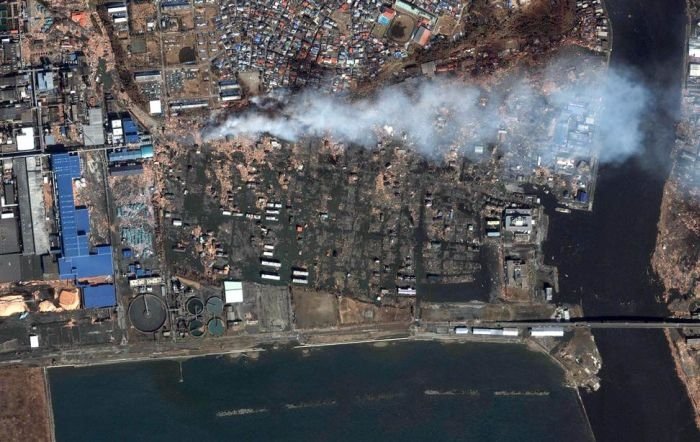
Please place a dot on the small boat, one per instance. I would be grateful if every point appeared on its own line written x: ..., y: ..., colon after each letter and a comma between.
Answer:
x: 562, y: 210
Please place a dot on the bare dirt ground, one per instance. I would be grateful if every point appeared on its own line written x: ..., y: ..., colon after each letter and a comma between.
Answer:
x: 314, y: 309
x: 93, y: 195
x: 140, y: 14
x: 676, y: 258
x: 24, y: 415
x: 675, y: 261
x: 353, y: 311
x: 687, y: 368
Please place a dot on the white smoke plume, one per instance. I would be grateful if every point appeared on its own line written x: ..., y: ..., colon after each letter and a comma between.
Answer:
x: 435, y: 115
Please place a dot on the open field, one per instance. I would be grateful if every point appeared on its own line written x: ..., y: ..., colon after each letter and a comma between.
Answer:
x: 314, y: 310
x: 24, y: 415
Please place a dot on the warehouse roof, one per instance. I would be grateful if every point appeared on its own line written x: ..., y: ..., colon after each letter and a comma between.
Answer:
x: 10, y: 268
x: 76, y: 260
x: 98, y: 296
x: 9, y: 236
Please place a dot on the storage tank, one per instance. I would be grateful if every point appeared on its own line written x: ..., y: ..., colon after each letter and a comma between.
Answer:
x: 196, y: 328
x: 216, y: 327
x: 147, y: 313
x: 194, y: 306
x: 215, y: 306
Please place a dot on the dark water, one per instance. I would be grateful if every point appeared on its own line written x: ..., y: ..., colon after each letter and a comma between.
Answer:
x: 350, y: 393
x: 604, y: 257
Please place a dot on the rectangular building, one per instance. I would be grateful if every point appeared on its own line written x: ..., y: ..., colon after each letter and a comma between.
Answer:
x: 76, y: 261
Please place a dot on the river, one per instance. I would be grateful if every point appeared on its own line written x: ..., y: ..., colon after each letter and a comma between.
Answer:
x: 604, y: 257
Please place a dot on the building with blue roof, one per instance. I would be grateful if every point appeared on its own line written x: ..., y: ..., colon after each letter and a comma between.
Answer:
x: 99, y: 296
x: 77, y: 261
x: 131, y: 132
x: 142, y: 153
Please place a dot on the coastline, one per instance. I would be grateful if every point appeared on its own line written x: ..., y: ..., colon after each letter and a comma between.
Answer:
x: 674, y: 238
x: 440, y: 381
x: 49, y: 405
x: 528, y: 344
x: 690, y: 382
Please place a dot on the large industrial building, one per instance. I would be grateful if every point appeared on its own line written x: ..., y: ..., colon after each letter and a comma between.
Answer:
x: 23, y: 235
x: 77, y: 261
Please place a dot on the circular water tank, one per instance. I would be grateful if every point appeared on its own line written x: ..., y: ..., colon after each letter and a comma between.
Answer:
x: 196, y: 328
x: 216, y: 327
x: 215, y: 306
x: 194, y: 306
x: 147, y: 313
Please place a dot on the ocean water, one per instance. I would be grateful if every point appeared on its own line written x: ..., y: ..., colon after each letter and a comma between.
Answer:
x: 405, y: 391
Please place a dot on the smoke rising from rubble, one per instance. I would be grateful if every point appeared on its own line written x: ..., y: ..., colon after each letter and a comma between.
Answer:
x: 435, y: 115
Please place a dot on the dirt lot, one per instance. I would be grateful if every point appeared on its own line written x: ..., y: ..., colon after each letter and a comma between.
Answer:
x: 196, y: 88
x: 174, y: 44
x: 140, y: 14
x: 149, y: 59
x: 184, y: 18
x: 93, y: 194
x: 490, y: 312
x: 314, y: 309
x: 357, y: 312
x: 273, y: 307
x: 251, y: 82
x: 24, y: 415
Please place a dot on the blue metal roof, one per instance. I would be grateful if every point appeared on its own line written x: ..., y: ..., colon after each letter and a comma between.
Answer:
x: 85, y: 266
x: 76, y: 260
x: 129, y: 126
x: 582, y: 196
x: 97, y: 296
x: 131, y: 132
x: 82, y: 220
x: 147, y: 151
x: 125, y: 155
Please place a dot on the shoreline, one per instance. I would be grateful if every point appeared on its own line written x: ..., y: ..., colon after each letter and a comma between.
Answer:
x: 506, y: 389
x: 49, y: 405
x: 683, y: 374
x: 683, y: 360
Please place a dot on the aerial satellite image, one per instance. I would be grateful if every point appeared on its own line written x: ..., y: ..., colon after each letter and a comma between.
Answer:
x: 350, y: 220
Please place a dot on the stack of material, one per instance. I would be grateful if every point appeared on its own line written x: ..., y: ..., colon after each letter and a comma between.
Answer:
x: 69, y: 299
x: 47, y: 306
x: 11, y: 304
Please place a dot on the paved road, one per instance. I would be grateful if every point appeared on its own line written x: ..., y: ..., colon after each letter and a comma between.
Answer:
x: 599, y: 323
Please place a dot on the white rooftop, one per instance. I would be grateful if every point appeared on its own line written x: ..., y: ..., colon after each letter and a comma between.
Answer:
x: 233, y: 291
x: 25, y: 140
x: 155, y: 107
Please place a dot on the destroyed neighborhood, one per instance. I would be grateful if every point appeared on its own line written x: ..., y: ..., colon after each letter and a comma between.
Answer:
x: 126, y: 231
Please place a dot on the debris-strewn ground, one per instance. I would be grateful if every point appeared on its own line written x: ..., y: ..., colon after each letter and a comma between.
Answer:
x: 24, y: 414
x: 676, y: 259
x: 677, y: 255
